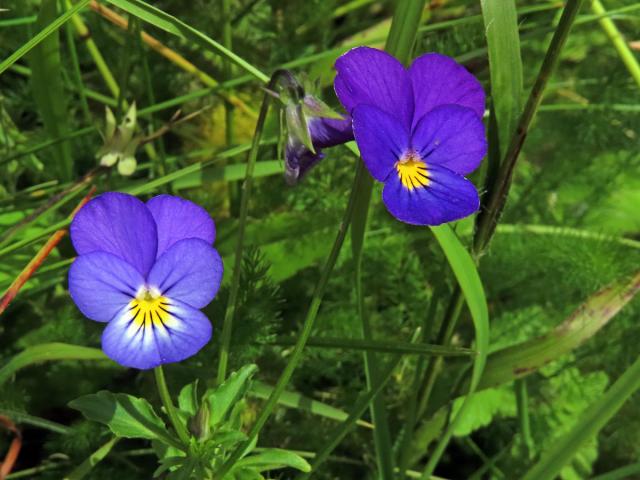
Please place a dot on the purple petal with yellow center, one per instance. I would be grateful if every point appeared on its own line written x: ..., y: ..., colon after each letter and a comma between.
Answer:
x: 190, y: 271
x: 177, y: 219
x: 422, y: 194
x: 152, y: 331
x: 451, y: 136
x: 382, y: 140
x: 439, y: 80
x: 101, y: 284
x: 119, y: 224
x: 370, y: 76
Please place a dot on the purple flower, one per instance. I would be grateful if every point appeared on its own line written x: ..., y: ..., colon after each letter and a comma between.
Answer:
x: 146, y: 270
x: 324, y: 132
x: 419, y: 131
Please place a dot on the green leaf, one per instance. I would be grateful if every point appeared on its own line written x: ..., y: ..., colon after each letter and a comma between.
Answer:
x: 85, y: 467
x: 527, y: 357
x: 47, y: 352
x: 42, y: 34
x: 48, y: 91
x: 171, y: 24
x: 503, y: 41
x: 296, y: 400
x: 125, y: 415
x: 274, y: 458
x: 590, y: 423
x: 469, y: 281
x: 222, y: 398
x: 188, y: 398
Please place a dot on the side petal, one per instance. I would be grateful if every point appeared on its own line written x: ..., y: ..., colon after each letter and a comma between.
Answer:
x: 451, y: 136
x: 438, y: 80
x: 177, y: 219
x: 329, y: 132
x: 119, y: 224
x: 101, y: 284
x: 381, y: 139
x: 172, y: 335
x: 446, y: 198
x: 190, y: 271
x: 370, y: 76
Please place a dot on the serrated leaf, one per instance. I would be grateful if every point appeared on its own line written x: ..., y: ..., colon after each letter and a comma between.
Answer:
x: 222, y: 398
x: 125, y: 415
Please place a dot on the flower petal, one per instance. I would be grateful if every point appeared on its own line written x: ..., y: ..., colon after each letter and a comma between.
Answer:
x: 177, y: 333
x: 451, y: 136
x: 190, y: 271
x: 373, y: 77
x: 177, y: 219
x: 119, y: 224
x: 447, y: 197
x: 101, y: 284
x: 298, y: 161
x: 439, y: 80
x: 381, y: 139
x: 329, y: 132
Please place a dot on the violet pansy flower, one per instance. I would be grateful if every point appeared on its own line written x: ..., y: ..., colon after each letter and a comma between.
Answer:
x: 146, y: 270
x: 419, y: 131
x: 325, y: 132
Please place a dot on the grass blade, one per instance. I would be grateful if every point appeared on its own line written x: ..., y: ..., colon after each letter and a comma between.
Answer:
x: 85, y: 467
x: 525, y: 358
x: 46, y: 352
x: 171, y: 24
x: 469, y: 281
x: 41, y: 35
x: 48, y: 91
x: 590, y: 423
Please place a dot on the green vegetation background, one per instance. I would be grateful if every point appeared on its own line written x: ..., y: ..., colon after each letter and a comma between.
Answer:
x: 579, y: 170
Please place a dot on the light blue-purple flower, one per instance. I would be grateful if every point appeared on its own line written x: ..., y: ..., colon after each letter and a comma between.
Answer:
x: 146, y: 270
x: 419, y: 131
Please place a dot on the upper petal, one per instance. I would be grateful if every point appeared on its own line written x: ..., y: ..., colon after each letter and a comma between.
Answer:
x: 451, y: 136
x: 101, y: 284
x: 438, y: 80
x: 167, y: 335
x: 370, y: 76
x: 177, y: 219
x: 298, y: 161
x: 116, y: 223
x: 190, y: 271
x: 381, y: 139
x: 447, y: 197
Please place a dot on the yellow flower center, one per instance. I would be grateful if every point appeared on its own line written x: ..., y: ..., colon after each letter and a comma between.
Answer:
x: 150, y: 308
x: 412, y: 171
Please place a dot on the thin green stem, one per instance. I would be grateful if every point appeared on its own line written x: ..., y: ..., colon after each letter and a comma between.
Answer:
x: 402, y: 34
x: 165, y: 397
x: 307, y: 327
x: 77, y: 75
x: 609, y: 27
x: 230, y: 311
x: 522, y: 402
x: 488, y: 218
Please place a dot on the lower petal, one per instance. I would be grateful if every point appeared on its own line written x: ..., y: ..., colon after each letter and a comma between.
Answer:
x: 447, y: 197
x: 146, y: 341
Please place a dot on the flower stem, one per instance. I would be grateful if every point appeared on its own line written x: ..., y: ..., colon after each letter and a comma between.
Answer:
x: 307, y: 327
x: 402, y: 34
x: 230, y: 311
x: 165, y: 397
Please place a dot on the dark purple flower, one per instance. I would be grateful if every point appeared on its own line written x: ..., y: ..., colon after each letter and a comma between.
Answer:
x: 324, y: 132
x: 146, y: 270
x: 419, y: 131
